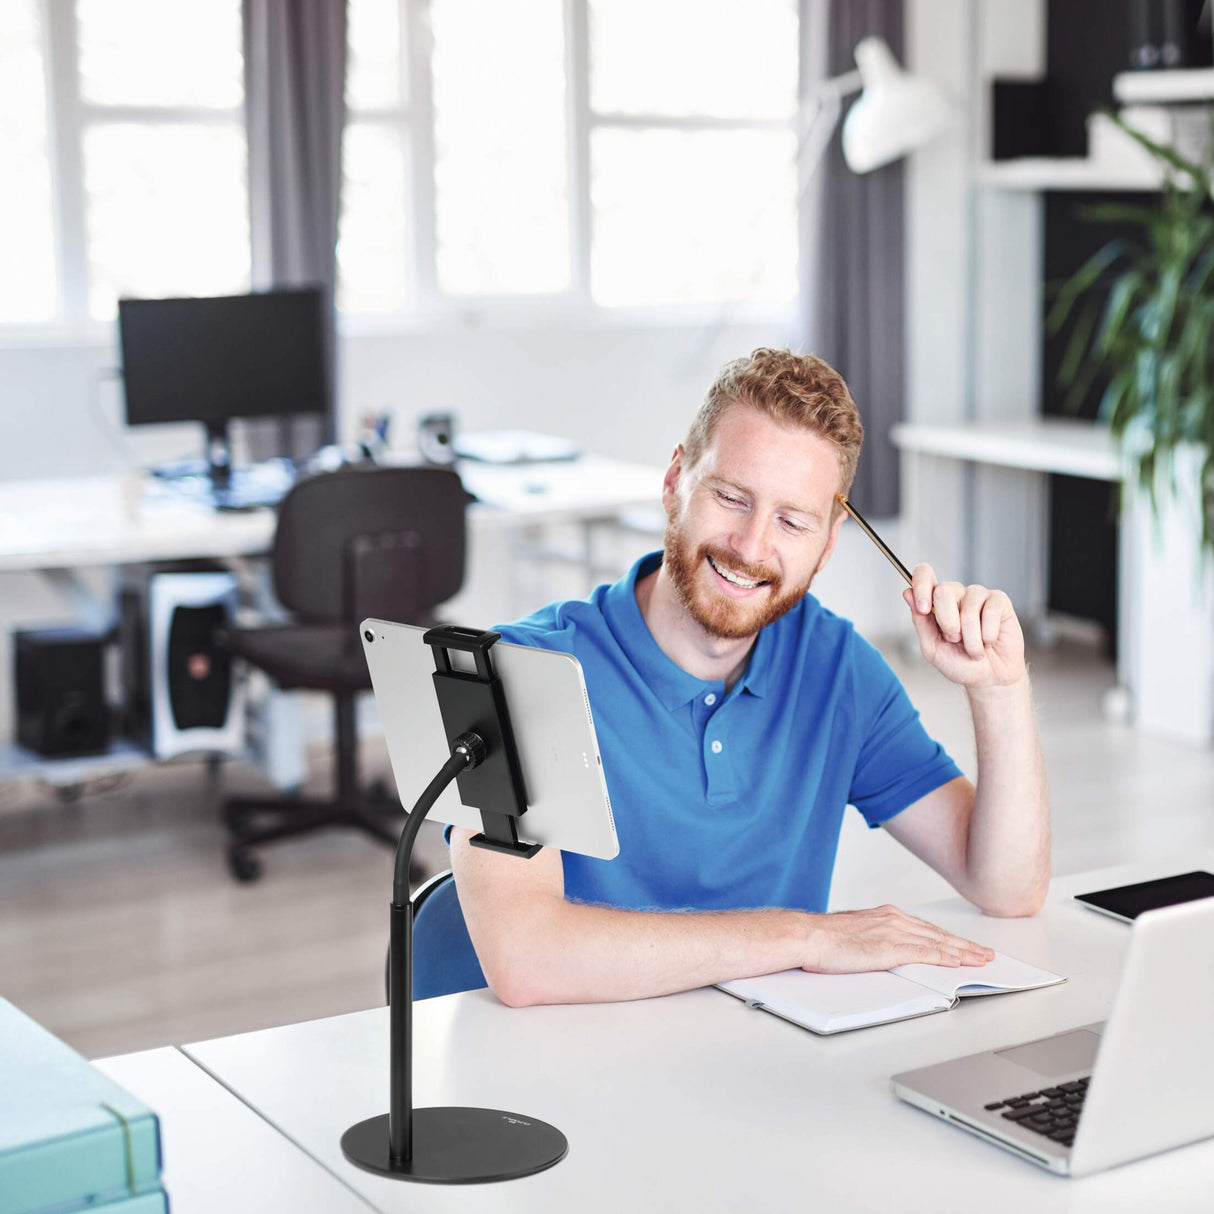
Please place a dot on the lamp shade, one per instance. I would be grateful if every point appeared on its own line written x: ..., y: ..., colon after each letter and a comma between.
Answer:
x: 894, y: 114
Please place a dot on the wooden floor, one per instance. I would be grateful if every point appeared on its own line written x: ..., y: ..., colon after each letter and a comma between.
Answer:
x: 120, y: 928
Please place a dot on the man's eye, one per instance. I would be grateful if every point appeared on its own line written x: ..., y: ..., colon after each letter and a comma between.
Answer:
x: 791, y: 527
x: 727, y: 500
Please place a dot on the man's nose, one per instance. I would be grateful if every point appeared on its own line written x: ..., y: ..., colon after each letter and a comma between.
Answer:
x: 750, y: 539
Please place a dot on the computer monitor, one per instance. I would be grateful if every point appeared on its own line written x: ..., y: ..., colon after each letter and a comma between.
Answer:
x: 213, y: 359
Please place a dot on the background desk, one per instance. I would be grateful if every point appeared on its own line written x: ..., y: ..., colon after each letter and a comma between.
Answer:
x: 694, y: 1102
x: 65, y: 530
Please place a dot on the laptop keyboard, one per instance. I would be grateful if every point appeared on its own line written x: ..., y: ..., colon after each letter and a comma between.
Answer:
x: 1052, y: 1112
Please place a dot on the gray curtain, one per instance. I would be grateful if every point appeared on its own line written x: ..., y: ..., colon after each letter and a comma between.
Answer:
x: 295, y: 66
x: 852, y: 252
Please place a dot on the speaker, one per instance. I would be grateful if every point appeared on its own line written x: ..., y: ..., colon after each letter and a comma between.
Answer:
x: 60, y: 678
x: 177, y: 676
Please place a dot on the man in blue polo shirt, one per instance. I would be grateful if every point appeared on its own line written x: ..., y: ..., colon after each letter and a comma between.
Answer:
x: 738, y: 718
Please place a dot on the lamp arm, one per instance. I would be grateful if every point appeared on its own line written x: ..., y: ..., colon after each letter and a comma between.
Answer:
x: 817, y: 117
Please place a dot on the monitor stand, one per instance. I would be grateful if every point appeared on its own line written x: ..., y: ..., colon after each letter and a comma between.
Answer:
x: 217, y: 481
x: 219, y: 457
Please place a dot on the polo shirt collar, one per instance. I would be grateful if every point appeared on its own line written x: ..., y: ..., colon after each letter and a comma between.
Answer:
x: 673, y: 685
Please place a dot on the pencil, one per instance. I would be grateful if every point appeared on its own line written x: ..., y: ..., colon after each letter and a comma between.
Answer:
x: 872, y: 535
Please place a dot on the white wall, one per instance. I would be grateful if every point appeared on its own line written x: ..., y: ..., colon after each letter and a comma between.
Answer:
x: 974, y: 296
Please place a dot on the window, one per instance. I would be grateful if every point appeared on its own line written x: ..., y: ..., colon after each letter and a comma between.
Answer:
x: 500, y: 173
x: 582, y: 154
x: 163, y: 152
x: 142, y: 189
x: 374, y: 226
x: 27, y: 239
x: 692, y: 150
x: 612, y: 152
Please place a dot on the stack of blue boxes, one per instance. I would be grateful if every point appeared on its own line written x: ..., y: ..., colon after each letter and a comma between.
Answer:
x: 70, y: 1138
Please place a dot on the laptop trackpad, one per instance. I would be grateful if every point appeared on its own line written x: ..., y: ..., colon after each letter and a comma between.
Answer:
x: 1056, y: 1055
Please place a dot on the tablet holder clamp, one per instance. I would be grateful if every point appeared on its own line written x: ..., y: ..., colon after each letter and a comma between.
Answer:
x: 454, y: 1145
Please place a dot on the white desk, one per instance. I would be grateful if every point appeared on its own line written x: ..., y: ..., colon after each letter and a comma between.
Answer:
x: 96, y: 521
x: 57, y: 529
x: 219, y: 1156
x: 695, y: 1102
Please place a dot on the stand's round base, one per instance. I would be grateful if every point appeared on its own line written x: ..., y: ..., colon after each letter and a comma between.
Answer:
x: 458, y: 1146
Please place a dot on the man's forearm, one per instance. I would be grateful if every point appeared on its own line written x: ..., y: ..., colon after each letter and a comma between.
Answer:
x: 1008, y: 852
x: 574, y: 953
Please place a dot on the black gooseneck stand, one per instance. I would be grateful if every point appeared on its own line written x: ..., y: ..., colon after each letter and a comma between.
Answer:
x: 454, y: 1145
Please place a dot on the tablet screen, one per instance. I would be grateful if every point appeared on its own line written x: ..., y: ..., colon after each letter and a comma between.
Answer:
x: 1129, y: 901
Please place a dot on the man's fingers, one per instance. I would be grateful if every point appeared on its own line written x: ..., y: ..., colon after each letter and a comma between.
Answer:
x: 946, y: 938
x: 946, y: 607
x: 923, y: 582
x: 994, y: 609
x: 972, y: 602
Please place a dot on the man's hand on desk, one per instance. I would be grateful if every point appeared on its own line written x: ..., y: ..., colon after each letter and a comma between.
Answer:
x: 968, y: 633
x: 852, y: 942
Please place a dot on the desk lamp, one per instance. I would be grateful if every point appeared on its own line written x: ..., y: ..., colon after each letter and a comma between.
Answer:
x: 895, y: 113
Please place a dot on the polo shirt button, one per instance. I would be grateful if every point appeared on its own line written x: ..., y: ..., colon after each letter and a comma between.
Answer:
x: 717, y: 748
x: 710, y: 699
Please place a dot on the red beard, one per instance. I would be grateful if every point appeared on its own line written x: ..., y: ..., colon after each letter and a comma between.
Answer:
x: 719, y: 616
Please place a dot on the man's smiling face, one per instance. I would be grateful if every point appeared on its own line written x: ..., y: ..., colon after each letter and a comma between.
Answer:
x: 750, y: 523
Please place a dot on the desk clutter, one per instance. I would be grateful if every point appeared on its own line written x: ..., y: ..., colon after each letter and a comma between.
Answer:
x: 70, y: 1138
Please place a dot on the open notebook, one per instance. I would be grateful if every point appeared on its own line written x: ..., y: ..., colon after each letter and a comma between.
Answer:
x: 833, y: 1003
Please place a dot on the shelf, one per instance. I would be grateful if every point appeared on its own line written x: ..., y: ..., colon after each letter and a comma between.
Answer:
x: 1039, y: 444
x: 1060, y: 173
x: 1155, y: 88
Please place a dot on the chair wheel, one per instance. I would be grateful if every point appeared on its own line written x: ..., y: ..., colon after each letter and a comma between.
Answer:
x: 243, y: 865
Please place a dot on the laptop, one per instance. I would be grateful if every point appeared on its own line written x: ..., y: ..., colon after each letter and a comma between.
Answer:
x: 1106, y: 1093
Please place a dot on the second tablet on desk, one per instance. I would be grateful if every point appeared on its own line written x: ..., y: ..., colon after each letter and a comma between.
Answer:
x: 1127, y: 902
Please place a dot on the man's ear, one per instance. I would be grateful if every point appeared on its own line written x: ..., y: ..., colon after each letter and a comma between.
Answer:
x: 670, y: 482
x: 834, y: 539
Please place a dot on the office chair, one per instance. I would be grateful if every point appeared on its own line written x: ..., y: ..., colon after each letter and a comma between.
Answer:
x: 444, y: 960
x: 386, y: 542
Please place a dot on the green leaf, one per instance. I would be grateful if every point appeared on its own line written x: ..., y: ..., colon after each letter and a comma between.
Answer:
x: 1121, y: 296
x: 1080, y: 282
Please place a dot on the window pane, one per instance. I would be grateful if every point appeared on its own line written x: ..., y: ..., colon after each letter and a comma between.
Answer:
x: 373, y: 54
x: 501, y: 212
x: 693, y: 216
x: 725, y: 58
x: 371, y: 243
x: 154, y: 52
x: 167, y: 211
x: 27, y: 249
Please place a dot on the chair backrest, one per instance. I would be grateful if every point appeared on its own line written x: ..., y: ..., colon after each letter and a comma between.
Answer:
x: 386, y: 542
x: 444, y: 960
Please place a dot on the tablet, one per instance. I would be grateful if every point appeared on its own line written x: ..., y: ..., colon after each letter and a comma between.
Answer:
x: 567, y: 802
x: 1127, y: 902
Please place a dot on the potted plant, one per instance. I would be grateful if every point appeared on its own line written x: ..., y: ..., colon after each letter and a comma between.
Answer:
x: 1144, y: 321
x: 1142, y: 310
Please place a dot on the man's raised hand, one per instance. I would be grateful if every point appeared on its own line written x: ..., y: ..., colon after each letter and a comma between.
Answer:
x: 968, y: 633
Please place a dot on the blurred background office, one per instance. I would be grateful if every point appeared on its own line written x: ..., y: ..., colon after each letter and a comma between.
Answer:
x: 557, y: 219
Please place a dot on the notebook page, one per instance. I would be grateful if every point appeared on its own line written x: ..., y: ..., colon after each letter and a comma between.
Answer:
x: 831, y: 1003
x: 1004, y: 973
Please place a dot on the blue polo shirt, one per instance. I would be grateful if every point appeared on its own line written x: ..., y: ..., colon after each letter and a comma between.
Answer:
x: 728, y: 800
